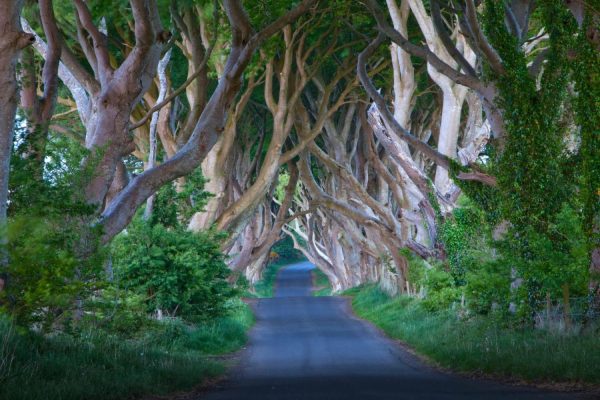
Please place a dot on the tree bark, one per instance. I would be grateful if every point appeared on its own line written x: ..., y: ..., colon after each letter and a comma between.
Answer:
x: 12, y: 41
x: 210, y: 125
x: 162, y: 92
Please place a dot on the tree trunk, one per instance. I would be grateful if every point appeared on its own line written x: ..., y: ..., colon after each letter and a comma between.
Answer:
x: 162, y: 92
x: 12, y: 40
x: 38, y: 110
x: 209, y: 126
x: 448, y: 138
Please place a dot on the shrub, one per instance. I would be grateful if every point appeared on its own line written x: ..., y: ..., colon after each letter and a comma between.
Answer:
x: 464, y: 234
x: 441, y: 291
x: 45, y: 274
x: 179, y: 272
x: 440, y: 288
x: 548, y: 262
x: 54, y: 257
x: 488, y: 286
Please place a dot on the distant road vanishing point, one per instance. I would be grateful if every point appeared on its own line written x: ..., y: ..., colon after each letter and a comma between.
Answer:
x: 312, y: 348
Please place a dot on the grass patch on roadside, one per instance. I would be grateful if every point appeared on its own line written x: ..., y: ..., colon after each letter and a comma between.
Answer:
x: 171, y: 356
x: 226, y: 335
x: 266, y: 286
x: 321, y: 284
x: 480, y: 344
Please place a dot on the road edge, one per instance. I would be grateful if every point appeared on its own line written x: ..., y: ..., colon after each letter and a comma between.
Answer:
x: 582, y: 391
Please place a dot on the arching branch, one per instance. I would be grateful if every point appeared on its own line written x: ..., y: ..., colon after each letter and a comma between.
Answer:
x: 439, y: 158
x: 209, y: 126
x: 422, y: 52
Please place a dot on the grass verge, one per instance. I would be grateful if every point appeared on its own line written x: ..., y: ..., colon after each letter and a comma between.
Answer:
x: 92, y: 365
x: 266, y: 286
x: 480, y: 344
x: 321, y: 284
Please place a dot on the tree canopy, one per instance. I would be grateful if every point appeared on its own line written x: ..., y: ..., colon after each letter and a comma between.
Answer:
x: 442, y: 146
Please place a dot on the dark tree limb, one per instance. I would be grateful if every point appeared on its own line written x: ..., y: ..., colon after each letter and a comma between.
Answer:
x: 482, y: 43
x: 52, y: 59
x: 447, y: 41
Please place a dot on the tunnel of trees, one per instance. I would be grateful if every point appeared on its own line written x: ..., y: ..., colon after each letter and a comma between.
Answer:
x: 154, y: 152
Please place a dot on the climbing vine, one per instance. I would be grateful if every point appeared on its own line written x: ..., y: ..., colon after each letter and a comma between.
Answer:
x: 529, y: 161
x: 463, y: 232
x: 587, y: 106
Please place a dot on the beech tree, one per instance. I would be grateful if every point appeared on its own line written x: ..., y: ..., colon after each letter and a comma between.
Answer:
x: 512, y: 77
x: 399, y: 196
x: 210, y: 123
x: 113, y: 92
x: 358, y: 138
x: 12, y: 41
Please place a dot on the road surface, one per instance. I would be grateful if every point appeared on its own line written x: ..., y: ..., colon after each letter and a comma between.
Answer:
x: 312, y: 348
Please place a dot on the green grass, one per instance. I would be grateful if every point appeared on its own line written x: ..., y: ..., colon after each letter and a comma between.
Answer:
x: 321, y: 283
x: 226, y: 335
x: 480, y: 344
x: 95, y: 365
x: 265, y: 287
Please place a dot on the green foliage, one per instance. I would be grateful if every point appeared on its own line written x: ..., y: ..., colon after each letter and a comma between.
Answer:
x: 441, y: 299
x: 48, y: 237
x: 179, y: 272
x: 545, y: 261
x: 440, y: 289
x: 321, y: 284
x: 464, y: 235
x: 172, y: 206
x: 164, y: 357
x: 587, y: 104
x: 438, y: 284
x: 285, y: 250
x: 45, y: 274
x: 56, y: 193
x: 534, y: 194
x: 118, y: 311
x: 167, y: 267
x: 528, y: 170
x: 282, y: 181
x: 488, y: 287
x: 486, y: 198
x: 549, y: 261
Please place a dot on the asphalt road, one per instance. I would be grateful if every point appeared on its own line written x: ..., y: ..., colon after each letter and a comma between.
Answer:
x: 305, y: 347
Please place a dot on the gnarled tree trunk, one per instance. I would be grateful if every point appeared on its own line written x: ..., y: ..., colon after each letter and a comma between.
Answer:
x: 12, y: 41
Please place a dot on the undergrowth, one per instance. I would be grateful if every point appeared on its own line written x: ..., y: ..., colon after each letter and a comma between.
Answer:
x: 92, y: 364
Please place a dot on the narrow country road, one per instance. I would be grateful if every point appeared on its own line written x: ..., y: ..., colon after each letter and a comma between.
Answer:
x: 305, y: 347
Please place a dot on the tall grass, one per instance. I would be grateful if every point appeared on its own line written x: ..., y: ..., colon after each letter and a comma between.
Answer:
x: 481, y: 344
x: 224, y: 336
x: 96, y: 365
